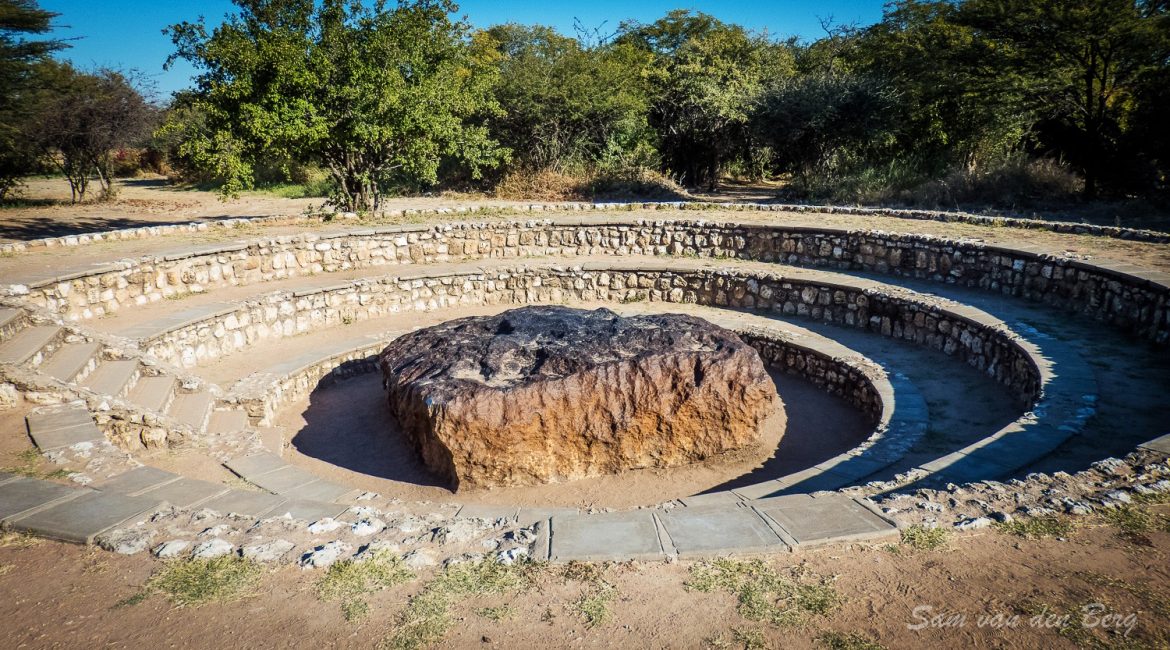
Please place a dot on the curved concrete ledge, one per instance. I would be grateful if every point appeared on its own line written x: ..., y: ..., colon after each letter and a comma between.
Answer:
x: 1130, y: 298
x: 972, y: 335
x: 144, y: 232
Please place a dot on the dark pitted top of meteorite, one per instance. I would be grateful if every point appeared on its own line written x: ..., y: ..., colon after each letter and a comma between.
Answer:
x: 532, y: 344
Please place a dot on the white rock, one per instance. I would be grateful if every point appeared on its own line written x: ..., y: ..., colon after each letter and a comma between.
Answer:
x: 373, y: 548
x: 1118, y: 495
x: 217, y: 530
x: 213, y: 548
x: 511, y: 555
x: 324, y: 555
x: 366, y: 527
x: 126, y: 541
x: 326, y: 525
x: 172, y: 548
x: 419, y: 559
x: 460, y: 530
x: 269, y: 552
x: 973, y: 524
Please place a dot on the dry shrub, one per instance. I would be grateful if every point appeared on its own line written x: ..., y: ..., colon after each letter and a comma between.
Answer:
x: 1015, y: 182
x: 560, y: 185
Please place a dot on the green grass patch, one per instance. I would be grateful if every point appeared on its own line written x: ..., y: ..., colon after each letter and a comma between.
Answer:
x: 594, y: 604
x: 199, y: 581
x: 27, y: 462
x: 847, y: 641
x: 349, y: 581
x: 428, y: 617
x: 501, y: 613
x: 739, y: 639
x: 1134, y: 522
x: 925, y: 539
x: 1039, y: 527
x: 762, y: 593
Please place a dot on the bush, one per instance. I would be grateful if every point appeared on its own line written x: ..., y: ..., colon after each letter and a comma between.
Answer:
x: 586, y: 185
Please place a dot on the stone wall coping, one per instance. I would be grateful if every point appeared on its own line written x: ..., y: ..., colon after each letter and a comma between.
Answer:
x: 1132, y: 234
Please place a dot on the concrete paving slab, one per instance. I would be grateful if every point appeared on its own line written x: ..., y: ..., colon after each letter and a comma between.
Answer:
x: 69, y: 360
x: 191, y: 409
x: 825, y: 519
x: 529, y: 516
x: 489, y: 512
x: 1160, y: 444
x: 59, y: 419
x: 758, y: 490
x: 186, y: 492
x: 26, y: 495
x: 112, y: 377
x: 26, y: 343
x: 255, y: 465
x: 227, y: 421
x: 283, y: 480
x: 137, y: 480
x: 57, y: 438
x: 608, y: 536
x: 723, y: 497
x: 245, y: 502
x: 308, y: 510
x: 153, y: 393
x: 320, y: 490
x: 705, y: 531
x: 81, y: 519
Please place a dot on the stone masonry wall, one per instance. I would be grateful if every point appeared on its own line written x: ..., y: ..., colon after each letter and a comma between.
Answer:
x: 983, y: 344
x: 1127, y: 298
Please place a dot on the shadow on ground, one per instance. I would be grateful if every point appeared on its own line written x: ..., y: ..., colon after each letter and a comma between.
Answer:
x: 349, y: 425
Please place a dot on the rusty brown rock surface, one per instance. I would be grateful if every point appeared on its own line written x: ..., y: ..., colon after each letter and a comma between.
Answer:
x: 547, y: 394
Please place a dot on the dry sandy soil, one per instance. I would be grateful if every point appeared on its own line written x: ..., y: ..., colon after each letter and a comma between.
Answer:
x: 59, y: 595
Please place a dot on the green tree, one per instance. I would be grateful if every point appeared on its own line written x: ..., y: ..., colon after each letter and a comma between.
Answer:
x: 706, y: 79
x: 374, y: 95
x: 79, y: 119
x: 1078, y: 64
x: 19, y: 56
x: 568, y: 105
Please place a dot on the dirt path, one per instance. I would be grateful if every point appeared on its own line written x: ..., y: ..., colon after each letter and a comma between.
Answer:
x: 59, y: 595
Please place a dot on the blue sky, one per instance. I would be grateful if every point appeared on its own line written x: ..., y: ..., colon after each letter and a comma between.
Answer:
x: 128, y: 33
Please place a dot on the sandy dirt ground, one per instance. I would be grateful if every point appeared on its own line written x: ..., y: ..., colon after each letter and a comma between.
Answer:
x: 56, y: 595
x: 64, y: 596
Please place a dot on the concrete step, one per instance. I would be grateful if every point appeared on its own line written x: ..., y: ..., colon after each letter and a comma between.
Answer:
x: 82, y: 518
x: 11, y: 320
x: 192, y: 409
x: 27, y: 343
x: 114, y: 378
x: 153, y: 393
x: 71, y: 361
x: 227, y: 421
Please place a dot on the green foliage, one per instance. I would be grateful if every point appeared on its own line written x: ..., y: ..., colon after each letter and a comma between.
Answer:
x: 378, y: 96
x: 1039, y: 527
x: 762, y: 593
x: 199, y: 581
x: 1005, y: 103
x: 847, y: 641
x: 427, y: 618
x: 350, y: 580
x: 705, y: 80
x: 565, y: 105
x: 19, y: 58
x: 924, y: 539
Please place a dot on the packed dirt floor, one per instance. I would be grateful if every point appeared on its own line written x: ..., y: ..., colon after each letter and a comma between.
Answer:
x: 962, y: 595
x: 1103, y: 583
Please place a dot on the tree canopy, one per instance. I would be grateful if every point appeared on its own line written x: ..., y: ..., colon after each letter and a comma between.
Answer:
x: 376, y: 95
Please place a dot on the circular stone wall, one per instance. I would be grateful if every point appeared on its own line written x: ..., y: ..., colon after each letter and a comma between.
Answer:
x: 548, y: 394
